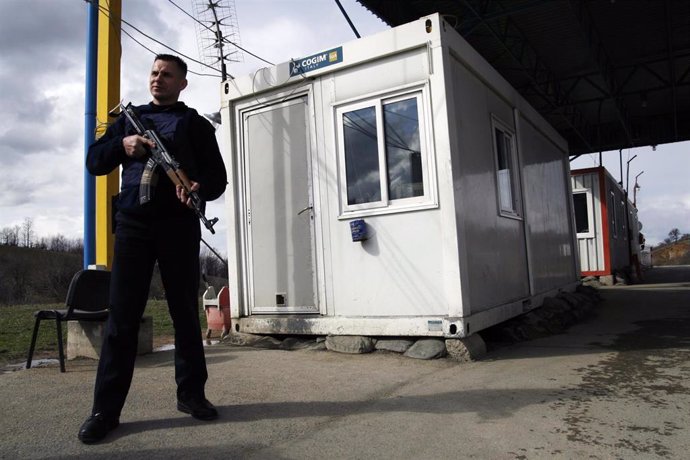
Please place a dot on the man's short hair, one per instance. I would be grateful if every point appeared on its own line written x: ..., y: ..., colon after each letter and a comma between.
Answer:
x: 172, y: 58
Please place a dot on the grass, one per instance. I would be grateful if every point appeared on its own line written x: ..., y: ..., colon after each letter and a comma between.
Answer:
x: 17, y: 323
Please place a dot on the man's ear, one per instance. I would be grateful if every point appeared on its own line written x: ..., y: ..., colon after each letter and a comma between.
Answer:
x: 184, y: 84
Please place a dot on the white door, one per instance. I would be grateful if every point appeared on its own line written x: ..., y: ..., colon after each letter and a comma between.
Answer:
x: 279, y: 218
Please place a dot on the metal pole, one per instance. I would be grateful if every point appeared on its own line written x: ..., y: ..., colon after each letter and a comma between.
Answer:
x: 635, y: 187
x: 347, y: 18
x: 627, y: 173
x: 90, y: 132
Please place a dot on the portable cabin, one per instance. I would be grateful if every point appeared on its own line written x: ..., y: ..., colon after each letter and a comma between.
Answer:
x: 606, y: 223
x: 395, y: 185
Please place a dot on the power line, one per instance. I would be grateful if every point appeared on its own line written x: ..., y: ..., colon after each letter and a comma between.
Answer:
x: 107, y: 11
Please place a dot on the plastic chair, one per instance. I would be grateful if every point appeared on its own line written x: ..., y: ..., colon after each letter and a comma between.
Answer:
x: 87, y: 300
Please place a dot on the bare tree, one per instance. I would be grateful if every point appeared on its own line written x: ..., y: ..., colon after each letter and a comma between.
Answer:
x: 27, y: 232
x: 5, y: 236
x: 76, y: 246
x: 674, y: 235
x: 58, y: 243
x: 211, y: 265
x: 10, y: 235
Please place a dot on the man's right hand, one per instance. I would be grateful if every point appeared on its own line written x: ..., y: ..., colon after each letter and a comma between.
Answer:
x: 136, y: 146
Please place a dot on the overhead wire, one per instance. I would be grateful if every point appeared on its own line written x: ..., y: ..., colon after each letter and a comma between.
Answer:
x: 123, y: 21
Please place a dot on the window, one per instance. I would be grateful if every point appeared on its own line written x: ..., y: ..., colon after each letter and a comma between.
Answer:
x: 582, y: 205
x: 613, y: 213
x: 382, y: 153
x: 506, y: 170
x: 363, y: 177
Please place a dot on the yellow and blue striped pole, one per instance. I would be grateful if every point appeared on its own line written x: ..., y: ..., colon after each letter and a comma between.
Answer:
x: 108, y: 96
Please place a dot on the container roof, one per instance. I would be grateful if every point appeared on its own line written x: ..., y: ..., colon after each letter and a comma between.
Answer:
x: 606, y: 74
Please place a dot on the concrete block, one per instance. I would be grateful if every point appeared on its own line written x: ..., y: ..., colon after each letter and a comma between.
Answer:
x: 84, y: 338
x: 427, y: 349
x: 466, y: 349
x: 354, y: 344
x: 606, y: 280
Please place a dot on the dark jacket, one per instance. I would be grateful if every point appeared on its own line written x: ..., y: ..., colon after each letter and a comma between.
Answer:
x: 188, y: 137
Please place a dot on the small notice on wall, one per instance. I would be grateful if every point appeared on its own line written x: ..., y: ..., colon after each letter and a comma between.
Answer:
x: 435, y: 325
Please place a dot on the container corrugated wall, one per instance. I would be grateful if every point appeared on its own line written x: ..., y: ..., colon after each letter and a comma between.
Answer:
x: 591, y: 244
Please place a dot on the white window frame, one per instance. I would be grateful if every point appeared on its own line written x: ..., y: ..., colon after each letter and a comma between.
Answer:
x: 516, y: 189
x: 590, y: 211
x: 386, y: 205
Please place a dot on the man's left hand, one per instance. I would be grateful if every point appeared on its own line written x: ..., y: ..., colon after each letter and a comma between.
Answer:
x: 183, y: 196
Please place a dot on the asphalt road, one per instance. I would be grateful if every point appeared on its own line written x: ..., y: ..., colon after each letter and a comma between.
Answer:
x: 616, y: 385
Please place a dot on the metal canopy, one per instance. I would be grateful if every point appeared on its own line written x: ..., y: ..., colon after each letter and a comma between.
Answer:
x: 607, y: 74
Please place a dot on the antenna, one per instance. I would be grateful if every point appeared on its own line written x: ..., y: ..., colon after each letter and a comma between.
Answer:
x: 217, y: 33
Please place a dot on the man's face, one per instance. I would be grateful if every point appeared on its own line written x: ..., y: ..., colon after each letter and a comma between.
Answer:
x: 166, y: 82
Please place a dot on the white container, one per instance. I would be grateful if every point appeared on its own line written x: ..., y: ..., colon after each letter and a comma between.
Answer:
x: 608, y: 241
x: 463, y: 187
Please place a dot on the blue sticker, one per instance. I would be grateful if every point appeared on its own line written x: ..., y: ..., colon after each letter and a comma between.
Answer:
x: 316, y: 61
x: 359, y: 230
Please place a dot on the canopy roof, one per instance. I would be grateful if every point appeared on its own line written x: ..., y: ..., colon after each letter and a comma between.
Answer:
x: 607, y: 74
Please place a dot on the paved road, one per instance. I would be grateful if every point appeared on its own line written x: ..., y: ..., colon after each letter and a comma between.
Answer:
x: 614, y: 386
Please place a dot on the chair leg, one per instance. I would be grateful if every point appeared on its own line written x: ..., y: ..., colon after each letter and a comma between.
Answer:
x: 62, y: 352
x: 33, y: 343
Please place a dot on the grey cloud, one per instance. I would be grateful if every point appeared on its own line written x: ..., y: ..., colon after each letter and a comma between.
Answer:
x: 29, y: 27
x: 21, y: 141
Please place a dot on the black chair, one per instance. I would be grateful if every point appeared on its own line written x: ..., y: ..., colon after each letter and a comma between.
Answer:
x: 87, y: 300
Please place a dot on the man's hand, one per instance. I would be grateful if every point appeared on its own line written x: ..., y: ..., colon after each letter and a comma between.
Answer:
x: 183, y: 196
x: 136, y: 145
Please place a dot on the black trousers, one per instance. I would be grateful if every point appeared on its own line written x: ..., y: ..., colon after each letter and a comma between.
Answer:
x: 175, y: 245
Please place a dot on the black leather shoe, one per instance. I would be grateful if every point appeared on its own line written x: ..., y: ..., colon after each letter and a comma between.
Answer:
x: 198, y: 408
x: 96, y: 427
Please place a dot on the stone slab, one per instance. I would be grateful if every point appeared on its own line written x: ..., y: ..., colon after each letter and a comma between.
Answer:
x: 84, y: 338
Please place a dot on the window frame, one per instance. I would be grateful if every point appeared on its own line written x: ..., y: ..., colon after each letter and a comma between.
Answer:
x: 516, y: 187
x: 590, y: 212
x: 386, y: 205
x: 624, y: 225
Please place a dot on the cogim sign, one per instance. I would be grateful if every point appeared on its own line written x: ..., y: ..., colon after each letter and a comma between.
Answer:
x: 316, y: 61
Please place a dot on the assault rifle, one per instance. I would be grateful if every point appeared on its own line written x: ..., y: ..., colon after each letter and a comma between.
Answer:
x: 161, y: 157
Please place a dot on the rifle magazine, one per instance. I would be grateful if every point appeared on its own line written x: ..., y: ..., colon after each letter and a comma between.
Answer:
x: 149, y: 178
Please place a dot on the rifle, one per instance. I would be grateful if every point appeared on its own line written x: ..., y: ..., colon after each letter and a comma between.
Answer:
x: 161, y: 157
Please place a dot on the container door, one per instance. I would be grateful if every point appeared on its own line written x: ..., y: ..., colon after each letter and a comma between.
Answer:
x: 279, y: 219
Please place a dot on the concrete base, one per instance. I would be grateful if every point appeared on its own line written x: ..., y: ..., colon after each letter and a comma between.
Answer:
x: 84, y: 338
x: 466, y: 349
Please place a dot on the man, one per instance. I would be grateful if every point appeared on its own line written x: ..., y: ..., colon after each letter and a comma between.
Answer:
x: 163, y: 230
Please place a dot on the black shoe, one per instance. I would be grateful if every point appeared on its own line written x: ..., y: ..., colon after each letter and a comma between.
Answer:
x: 198, y: 408
x: 96, y: 427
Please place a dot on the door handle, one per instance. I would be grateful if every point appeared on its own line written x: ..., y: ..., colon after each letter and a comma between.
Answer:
x: 305, y: 209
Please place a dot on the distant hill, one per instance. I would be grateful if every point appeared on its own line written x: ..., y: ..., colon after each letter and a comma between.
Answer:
x: 30, y: 275
x: 677, y: 253
x: 37, y: 276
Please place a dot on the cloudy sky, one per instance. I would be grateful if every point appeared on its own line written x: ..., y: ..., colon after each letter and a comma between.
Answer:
x: 42, y: 66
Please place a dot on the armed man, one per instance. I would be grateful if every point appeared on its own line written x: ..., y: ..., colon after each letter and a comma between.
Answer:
x: 162, y: 228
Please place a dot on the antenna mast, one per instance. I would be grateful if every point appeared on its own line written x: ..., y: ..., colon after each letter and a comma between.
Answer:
x: 217, y: 29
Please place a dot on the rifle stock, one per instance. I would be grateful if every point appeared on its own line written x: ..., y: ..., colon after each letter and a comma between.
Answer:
x: 161, y: 157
